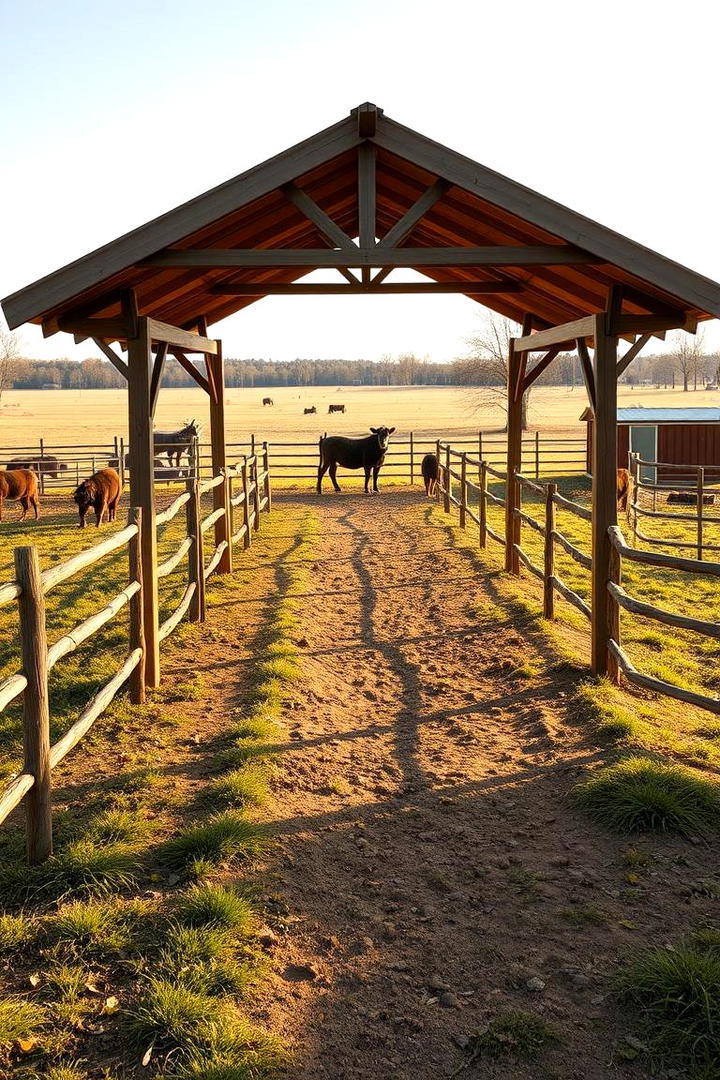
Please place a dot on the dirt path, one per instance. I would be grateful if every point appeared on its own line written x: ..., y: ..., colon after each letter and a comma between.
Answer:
x: 434, y: 874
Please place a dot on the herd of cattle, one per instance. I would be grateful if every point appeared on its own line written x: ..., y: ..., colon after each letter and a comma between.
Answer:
x: 312, y: 408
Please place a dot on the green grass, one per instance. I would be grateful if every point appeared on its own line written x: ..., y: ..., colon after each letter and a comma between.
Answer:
x: 676, y: 995
x: 121, y: 826
x: 19, y: 1020
x: 247, y: 786
x: 512, y: 1034
x: 213, y: 905
x: 224, y: 836
x: 640, y: 794
x: 16, y: 931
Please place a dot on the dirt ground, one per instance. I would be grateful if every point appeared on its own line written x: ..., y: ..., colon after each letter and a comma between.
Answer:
x: 433, y: 872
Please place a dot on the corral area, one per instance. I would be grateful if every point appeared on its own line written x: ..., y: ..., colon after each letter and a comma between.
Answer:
x: 433, y: 897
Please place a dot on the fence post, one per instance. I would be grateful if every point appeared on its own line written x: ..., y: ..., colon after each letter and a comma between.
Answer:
x: 266, y: 470
x: 412, y: 459
x: 252, y: 445
x: 42, y: 467
x: 247, y: 539
x: 448, y: 478
x: 537, y: 455
x: 196, y: 557
x: 614, y: 575
x: 116, y: 447
x: 463, y: 489
x: 36, y: 707
x: 439, y: 482
x: 137, y: 629
x: 482, y: 505
x: 634, y: 494
x: 548, y: 590
x: 480, y: 448
x: 700, y: 500
x: 256, y: 493
x: 121, y: 460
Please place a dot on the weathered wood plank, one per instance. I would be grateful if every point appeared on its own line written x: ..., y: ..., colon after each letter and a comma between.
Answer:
x: 384, y: 254
x: 117, y: 362
x: 565, y: 334
x: 180, y: 339
x: 324, y: 223
x: 474, y: 288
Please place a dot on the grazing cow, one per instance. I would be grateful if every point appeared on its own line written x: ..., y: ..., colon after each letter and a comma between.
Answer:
x: 367, y: 454
x: 336, y: 408
x: 20, y: 485
x: 268, y: 401
x: 101, y: 491
x: 624, y: 486
x: 430, y: 470
x: 312, y: 409
x: 47, y: 465
x: 176, y: 443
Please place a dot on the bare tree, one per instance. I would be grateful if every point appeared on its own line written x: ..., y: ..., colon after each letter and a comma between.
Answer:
x: 485, y: 367
x: 9, y: 357
x: 689, y: 356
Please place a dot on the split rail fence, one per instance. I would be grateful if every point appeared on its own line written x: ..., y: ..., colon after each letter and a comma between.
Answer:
x: 31, y: 586
x: 691, y: 484
x: 471, y: 497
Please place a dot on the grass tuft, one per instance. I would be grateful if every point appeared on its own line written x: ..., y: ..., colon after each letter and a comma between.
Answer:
x: 212, y: 905
x: 677, y: 994
x: 515, y: 1033
x: 222, y: 837
x: 121, y: 826
x: 643, y: 795
x: 19, y: 1019
x: 247, y: 786
x: 16, y: 930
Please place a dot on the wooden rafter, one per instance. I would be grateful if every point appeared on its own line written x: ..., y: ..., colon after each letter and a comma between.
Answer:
x: 626, y: 360
x: 564, y: 335
x: 188, y: 366
x: 588, y: 372
x: 181, y: 339
x: 542, y: 363
x: 160, y: 357
x: 382, y: 254
x: 477, y: 288
x: 411, y: 217
x: 112, y: 356
x: 325, y: 224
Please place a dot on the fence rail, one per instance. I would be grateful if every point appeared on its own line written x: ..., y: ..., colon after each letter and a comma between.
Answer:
x: 692, y: 481
x: 32, y: 785
x: 462, y: 497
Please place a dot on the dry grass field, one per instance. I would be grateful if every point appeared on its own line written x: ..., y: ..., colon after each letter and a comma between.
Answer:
x: 91, y: 416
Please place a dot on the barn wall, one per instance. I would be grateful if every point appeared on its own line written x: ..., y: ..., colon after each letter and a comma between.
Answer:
x: 623, y: 433
x: 687, y: 444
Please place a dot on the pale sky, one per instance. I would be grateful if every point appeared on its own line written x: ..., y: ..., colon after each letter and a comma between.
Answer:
x: 112, y: 114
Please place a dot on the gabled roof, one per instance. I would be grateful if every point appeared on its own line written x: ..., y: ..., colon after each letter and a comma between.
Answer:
x: 474, y: 207
x: 637, y: 414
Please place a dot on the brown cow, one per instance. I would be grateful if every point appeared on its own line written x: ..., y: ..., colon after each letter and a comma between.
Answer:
x: 101, y: 491
x: 624, y: 485
x: 430, y: 470
x: 48, y: 465
x: 20, y: 485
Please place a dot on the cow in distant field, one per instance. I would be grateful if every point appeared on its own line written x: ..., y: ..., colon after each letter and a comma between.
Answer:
x: 47, y: 465
x: 336, y: 408
x: 624, y: 487
x: 176, y: 443
x: 312, y: 409
x: 430, y: 470
x: 101, y: 491
x: 20, y: 485
x: 268, y: 401
x: 368, y: 454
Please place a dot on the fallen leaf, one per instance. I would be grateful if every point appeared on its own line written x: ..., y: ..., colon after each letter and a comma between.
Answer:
x: 92, y: 988
x: 111, y: 1005
x: 27, y: 1045
x: 35, y: 980
x: 147, y: 1055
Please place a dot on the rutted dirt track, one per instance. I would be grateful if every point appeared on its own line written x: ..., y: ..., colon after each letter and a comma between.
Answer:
x: 426, y: 850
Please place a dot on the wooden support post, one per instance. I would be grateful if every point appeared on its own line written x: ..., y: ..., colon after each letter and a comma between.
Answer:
x: 141, y: 487
x: 634, y: 493
x: 254, y: 473
x: 266, y: 470
x: 482, y: 505
x: 514, y: 458
x: 412, y: 459
x: 219, y: 462
x: 121, y: 462
x: 548, y: 590
x: 196, y: 560
x: 448, y: 479
x: 42, y: 467
x: 439, y: 467
x: 247, y: 539
x: 537, y: 455
x: 137, y: 634
x: 613, y: 614
x: 463, y: 489
x: 36, y: 707
x: 700, y: 500
x: 480, y: 446
x: 604, y: 488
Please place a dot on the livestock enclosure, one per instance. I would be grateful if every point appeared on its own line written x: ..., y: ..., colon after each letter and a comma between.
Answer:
x: 676, y: 665
x: 31, y: 586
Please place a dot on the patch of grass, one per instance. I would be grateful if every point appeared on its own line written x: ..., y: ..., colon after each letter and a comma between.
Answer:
x: 82, y: 867
x: 19, y: 1020
x: 64, y: 1072
x: 710, y: 729
x: 677, y: 995
x: 121, y: 826
x: 222, y: 837
x: 66, y: 988
x: 643, y: 795
x: 595, y: 703
x: 523, y: 881
x: 93, y: 927
x: 16, y: 930
x: 213, y: 905
x: 512, y: 1034
x: 190, y: 690
x: 584, y: 915
x: 247, y: 786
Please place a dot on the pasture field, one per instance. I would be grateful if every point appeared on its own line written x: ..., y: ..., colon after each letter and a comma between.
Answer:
x: 90, y: 416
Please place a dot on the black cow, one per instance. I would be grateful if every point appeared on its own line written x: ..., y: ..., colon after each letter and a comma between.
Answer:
x: 430, y: 470
x: 367, y: 454
x: 268, y: 401
x: 336, y: 408
x: 312, y: 409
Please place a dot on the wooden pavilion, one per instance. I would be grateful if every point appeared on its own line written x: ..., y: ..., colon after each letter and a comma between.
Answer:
x: 363, y: 197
